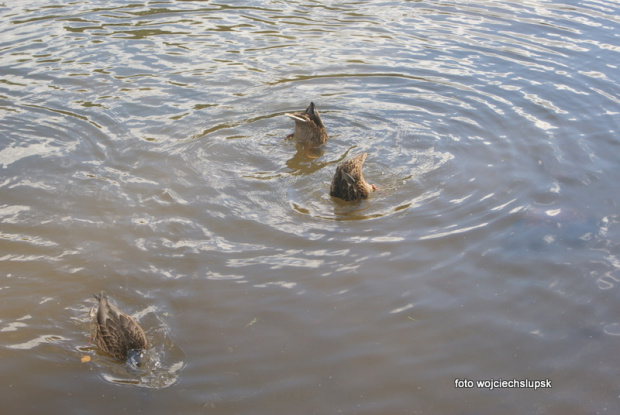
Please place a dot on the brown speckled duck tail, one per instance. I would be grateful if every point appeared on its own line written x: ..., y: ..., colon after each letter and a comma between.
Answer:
x: 117, y: 333
x: 348, y: 183
x: 309, y: 128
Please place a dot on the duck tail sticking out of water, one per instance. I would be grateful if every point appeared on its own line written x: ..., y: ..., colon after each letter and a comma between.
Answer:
x: 348, y: 183
x: 309, y: 127
x: 117, y: 333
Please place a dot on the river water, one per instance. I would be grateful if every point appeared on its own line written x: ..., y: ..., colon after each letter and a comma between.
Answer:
x: 142, y: 152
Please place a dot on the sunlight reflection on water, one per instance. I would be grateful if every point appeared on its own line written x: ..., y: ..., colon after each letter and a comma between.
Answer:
x: 142, y: 151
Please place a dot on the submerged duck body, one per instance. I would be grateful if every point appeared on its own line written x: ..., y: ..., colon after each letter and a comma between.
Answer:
x: 118, y: 334
x: 348, y: 183
x: 309, y: 128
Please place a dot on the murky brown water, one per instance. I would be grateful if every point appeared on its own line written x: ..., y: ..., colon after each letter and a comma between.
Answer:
x: 142, y: 152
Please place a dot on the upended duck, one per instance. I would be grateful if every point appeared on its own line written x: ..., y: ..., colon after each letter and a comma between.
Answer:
x: 309, y: 128
x: 117, y: 333
x: 348, y: 183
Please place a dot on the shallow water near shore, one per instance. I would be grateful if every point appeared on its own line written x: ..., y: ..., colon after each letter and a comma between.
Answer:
x: 142, y: 152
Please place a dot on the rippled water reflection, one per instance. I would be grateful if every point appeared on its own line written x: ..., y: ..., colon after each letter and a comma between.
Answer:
x: 142, y: 152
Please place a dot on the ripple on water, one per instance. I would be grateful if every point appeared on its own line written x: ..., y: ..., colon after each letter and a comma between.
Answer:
x: 141, y: 144
x: 399, y: 188
x: 271, y: 174
x: 163, y: 362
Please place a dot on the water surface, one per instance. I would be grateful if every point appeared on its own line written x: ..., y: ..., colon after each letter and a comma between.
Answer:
x: 142, y: 152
